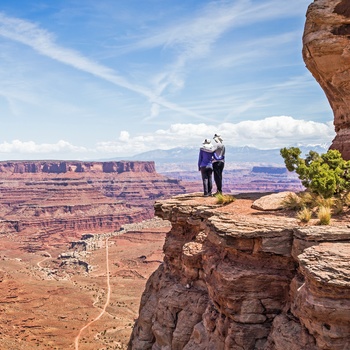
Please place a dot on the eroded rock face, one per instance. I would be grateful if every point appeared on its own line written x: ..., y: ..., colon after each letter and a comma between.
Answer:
x: 45, y: 199
x: 245, y: 282
x: 326, y: 52
x: 58, y: 167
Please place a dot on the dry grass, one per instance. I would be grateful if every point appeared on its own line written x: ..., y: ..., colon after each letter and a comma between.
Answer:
x: 338, y: 206
x: 293, y: 202
x: 304, y: 215
x: 324, y: 215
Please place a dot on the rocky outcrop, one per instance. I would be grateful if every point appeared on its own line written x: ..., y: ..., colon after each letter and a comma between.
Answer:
x: 58, y: 167
x: 236, y: 278
x: 326, y: 48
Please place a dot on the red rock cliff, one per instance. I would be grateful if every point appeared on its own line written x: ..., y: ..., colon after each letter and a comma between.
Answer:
x: 326, y: 52
x: 235, y: 278
x: 46, y: 199
x: 58, y: 167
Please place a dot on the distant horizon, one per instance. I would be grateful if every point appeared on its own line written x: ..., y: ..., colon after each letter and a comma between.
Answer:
x: 189, y: 156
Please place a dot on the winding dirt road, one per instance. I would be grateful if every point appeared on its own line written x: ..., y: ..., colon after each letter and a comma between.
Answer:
x: 76, y: 342
x: 47, y: 256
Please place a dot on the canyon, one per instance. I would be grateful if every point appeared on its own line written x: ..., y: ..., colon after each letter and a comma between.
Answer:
x: 57, y: 218
x: 50, y: 200
x: 114, y: 255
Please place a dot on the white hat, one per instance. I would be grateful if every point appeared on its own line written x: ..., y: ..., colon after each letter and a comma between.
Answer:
x: 218, y: 138
x: 206, y: 142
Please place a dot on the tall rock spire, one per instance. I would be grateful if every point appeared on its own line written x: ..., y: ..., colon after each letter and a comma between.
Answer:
x: 326, y: 52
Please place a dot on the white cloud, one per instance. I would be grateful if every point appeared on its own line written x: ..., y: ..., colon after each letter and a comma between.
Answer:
x: 272, y: 132
x: 30, y: 147
x: 124, y: 136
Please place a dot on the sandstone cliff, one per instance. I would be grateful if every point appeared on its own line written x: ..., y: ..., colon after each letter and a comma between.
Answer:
x: 59, y: 167
x: 53, y: 200
x: 326, y: 52
x: 237, y: 278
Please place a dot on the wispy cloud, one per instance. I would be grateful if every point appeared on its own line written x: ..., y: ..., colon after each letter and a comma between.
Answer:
x: 197, y: 37
x: 43, y: 42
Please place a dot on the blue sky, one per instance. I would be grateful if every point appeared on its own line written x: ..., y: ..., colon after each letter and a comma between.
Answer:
x: 87, y: 79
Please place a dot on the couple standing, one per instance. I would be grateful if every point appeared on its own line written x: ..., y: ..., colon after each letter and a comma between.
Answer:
x: 212, y: 158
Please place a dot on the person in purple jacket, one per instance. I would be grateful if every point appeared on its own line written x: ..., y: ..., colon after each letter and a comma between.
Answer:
x: 205, y: 165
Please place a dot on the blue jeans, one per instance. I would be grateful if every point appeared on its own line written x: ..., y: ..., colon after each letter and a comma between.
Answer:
x: 207, y: 173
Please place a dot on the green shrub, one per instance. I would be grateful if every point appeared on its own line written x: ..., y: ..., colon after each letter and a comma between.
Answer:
x: 327, y: 174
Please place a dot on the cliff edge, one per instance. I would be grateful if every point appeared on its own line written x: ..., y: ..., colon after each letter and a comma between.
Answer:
x: 238, y: 278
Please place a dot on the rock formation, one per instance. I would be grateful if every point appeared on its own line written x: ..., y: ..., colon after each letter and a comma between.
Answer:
x: 51, y: 200
x: 236, y: 278
x: 60, y: 167
x: 326, y: 52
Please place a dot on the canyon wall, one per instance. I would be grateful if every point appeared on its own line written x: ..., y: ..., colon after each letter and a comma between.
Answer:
x: 49, y: 201
x: 59, y: 167
x: 326, y: 52
x: 238, y: 278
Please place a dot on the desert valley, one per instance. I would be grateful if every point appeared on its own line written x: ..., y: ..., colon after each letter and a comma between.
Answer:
x: 60, y: 289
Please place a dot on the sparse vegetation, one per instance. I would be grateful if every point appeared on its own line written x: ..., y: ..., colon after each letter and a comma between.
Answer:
x: 338, y: 206
x: 324, y: 215
x: 307, y: 203
x: 304, y: 215
x: 293, y: 202
x: 325, y: 202
x: 224, y: 198
x: 327, y: 179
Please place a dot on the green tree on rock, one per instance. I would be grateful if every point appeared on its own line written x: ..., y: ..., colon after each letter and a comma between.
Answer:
x: 327, y: 174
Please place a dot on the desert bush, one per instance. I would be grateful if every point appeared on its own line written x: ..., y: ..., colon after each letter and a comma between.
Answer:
x: 327, y: 174
x: 304, y: 215
x: 224, y: 198
x: 324, y: 215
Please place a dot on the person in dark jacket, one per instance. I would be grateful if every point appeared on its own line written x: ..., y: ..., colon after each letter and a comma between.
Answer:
x: 205, y: 166
x: 218, y: 162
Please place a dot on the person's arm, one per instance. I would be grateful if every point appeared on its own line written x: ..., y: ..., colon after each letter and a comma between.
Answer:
x: 199, y: 159
x: 218, y: 157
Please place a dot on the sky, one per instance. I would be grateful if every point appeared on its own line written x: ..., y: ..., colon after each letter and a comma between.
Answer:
x: 93, y: 80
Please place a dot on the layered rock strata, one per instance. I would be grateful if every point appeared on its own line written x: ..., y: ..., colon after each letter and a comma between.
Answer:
x: 60, y: 167
x: 50, y: 200
x: 235, y: 278
x: 326, y: 52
